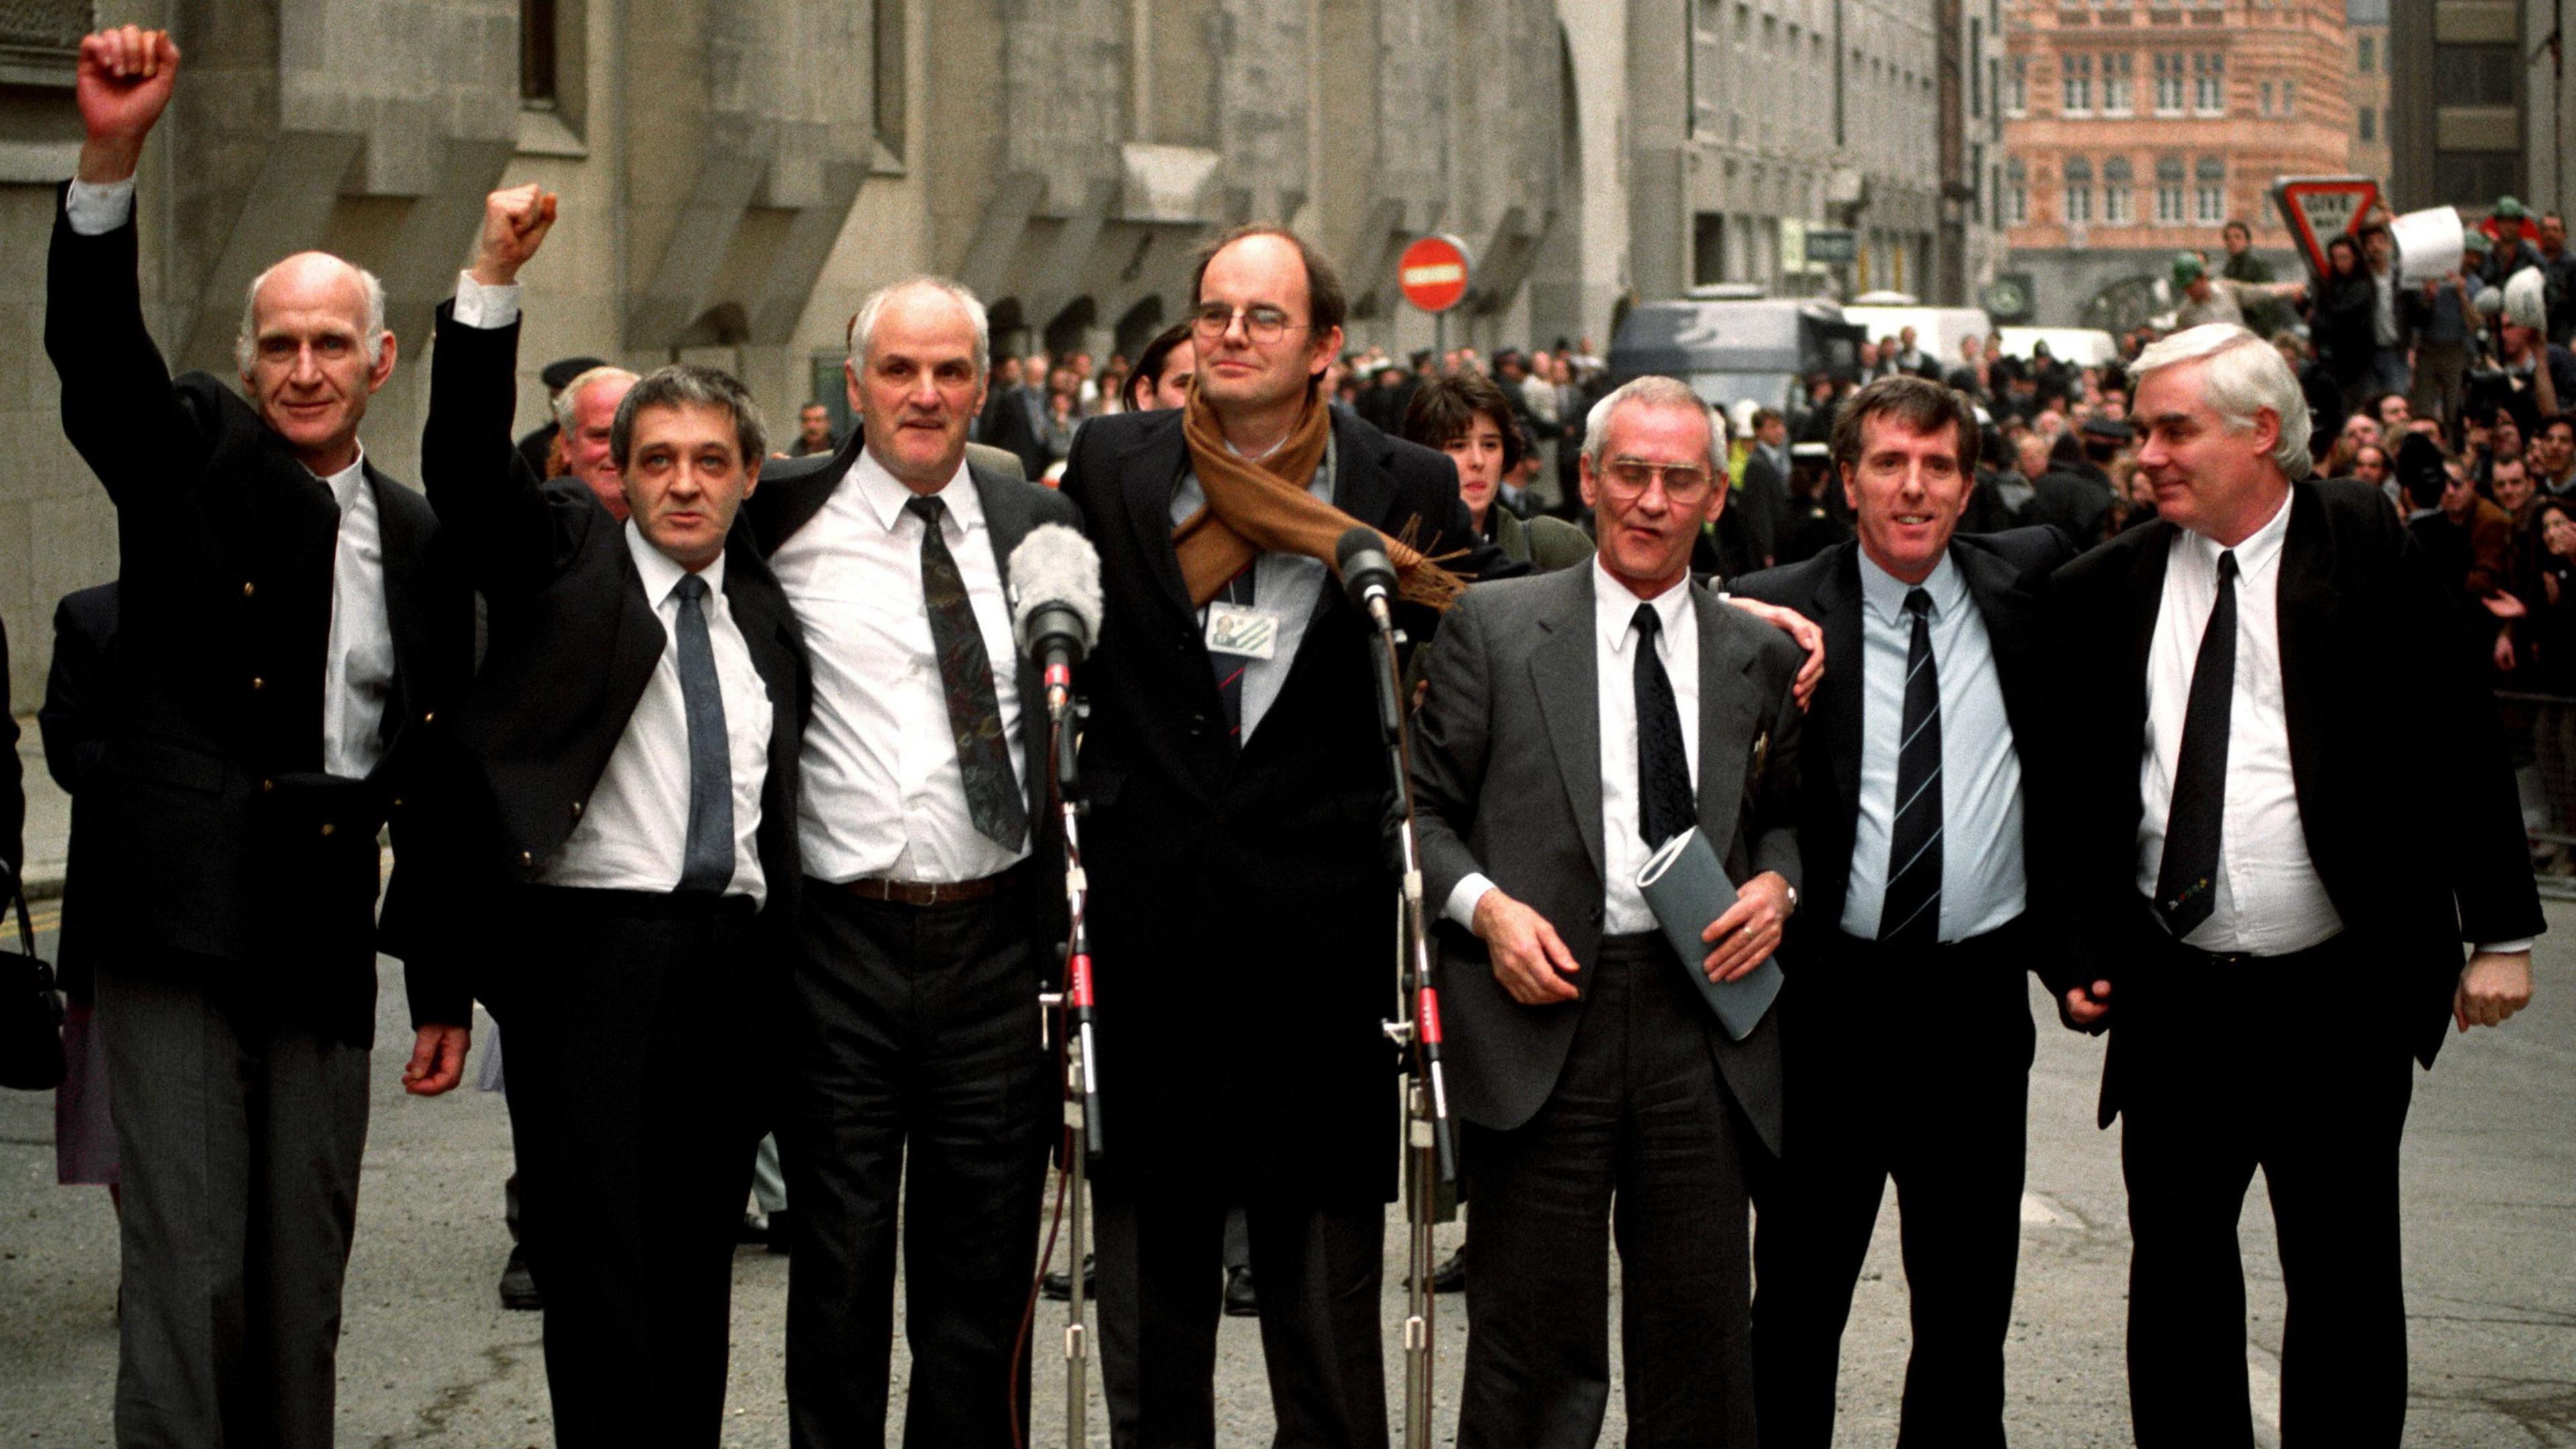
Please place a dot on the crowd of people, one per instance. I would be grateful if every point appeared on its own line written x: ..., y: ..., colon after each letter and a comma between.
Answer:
x: 713, y: 770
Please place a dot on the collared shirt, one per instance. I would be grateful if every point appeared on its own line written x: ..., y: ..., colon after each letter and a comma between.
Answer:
x: 2383, y: 316
x: 1624, y: 848
x: 358, y: 672
x: 1982, y: 884
x: 1289, y: 585
x: 2270, y: 900
x: 358, y: 662
x: 883, y: 792
x: 634, y: 829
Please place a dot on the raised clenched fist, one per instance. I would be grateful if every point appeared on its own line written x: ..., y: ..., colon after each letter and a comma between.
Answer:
x: 123, y: 85
x: 515, y: 223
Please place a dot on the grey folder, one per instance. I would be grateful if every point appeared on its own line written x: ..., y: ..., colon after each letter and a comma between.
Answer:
x: 1686, y: 888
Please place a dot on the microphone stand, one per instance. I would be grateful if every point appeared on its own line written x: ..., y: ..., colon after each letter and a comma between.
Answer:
x: 1431, y: 1153
x: 1081, y: 1072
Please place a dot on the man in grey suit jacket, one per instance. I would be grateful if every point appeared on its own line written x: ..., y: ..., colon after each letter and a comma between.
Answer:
x: 1576, y: 721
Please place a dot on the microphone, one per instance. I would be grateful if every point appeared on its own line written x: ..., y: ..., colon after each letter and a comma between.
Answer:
x: 1368, y: 576
x: 1055, y: 604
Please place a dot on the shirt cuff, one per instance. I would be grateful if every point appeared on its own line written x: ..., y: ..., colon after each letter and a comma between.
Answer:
x: 1461, y: 905
x: 97, y: 208
x: 2505, y: 948
x: 485, y: 307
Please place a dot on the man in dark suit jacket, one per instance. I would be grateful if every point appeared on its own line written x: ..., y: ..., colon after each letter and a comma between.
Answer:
x: 1925, y: 910
x: 77, y: 720
x: 935, y: 891
x: 1574, y: 723
x: 289, y: 624
x: 1754, y: 526
x: 1241, y: 911
x: 621, y: 808
x: 2275, y: 919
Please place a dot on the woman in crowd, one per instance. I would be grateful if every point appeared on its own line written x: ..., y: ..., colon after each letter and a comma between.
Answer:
x: 1468, y: 418
x: 1163, y: 371
x: 2341, y: 321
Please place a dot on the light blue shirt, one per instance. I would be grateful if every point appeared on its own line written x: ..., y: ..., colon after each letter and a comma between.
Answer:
x: 1982, y: 885
x: 1289, y: 585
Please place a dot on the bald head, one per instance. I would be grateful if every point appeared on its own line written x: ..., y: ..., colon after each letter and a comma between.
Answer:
x: 312, y: 349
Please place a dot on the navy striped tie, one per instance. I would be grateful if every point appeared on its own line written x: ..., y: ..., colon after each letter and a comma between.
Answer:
x: 1910, y: 912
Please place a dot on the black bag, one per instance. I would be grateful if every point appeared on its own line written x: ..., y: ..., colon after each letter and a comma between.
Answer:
x: 31, y: 1012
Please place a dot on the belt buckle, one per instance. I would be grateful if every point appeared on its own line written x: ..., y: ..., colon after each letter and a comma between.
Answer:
x: 931, y: 893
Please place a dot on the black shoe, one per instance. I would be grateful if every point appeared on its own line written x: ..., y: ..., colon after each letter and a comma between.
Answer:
x: 776, y: 1234
x: 1239, y: 1299
x: 518, y: 1286
x: 1451, y: 1275
x: 1059, y: 1286
x: 754, y: 1229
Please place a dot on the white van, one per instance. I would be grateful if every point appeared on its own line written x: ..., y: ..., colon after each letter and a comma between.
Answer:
x: 1937, y: 330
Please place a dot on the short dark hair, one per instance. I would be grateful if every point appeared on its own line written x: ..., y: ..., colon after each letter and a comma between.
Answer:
x: 686, y: 385
x: 1151, y: 363
x: 1444, y: 408
x: 1921, y: 404
x: 1326, y: 305
x: 2554, y: 420
x: 1765, y: 417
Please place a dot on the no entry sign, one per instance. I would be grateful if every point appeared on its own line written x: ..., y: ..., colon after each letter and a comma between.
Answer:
x: 1433, y: 272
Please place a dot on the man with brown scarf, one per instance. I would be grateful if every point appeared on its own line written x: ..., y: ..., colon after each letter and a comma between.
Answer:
x: 1241, y: 912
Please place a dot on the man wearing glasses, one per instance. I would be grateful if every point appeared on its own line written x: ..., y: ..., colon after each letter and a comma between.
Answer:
x: 1242, y: 913
x: 1575, y: 723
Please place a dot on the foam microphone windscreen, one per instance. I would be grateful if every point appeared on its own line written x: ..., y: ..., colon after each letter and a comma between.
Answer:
x: 1055, y: 571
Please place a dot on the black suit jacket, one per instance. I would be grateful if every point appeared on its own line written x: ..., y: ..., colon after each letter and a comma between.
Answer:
x: 1242, y: 915
x: 2416, y: 860
x: 77, y: 721
x: 572, y: 645
x: 2007, y: 576
x: 1009, y: 421
x: 794, y: 490
x: 224, y: 838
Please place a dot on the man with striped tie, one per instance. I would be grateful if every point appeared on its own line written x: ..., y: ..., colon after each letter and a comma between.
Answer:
x: 1906, y: 1030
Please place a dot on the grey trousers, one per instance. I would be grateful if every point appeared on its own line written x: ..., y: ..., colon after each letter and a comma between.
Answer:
x: 241, y: 1130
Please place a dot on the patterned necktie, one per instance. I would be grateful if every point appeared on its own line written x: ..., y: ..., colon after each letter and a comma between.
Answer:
x: 1910, y: 911
x: 706, y: 861
x: 2184, y: 878
x: 1665, y: 805
x: 974, y: 712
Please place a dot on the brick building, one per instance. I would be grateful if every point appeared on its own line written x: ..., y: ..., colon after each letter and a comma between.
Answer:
x: 2366, y: 22
x: 2134, y: 128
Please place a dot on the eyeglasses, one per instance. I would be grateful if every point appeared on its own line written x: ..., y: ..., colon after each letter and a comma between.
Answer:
x: 1264, y: 325
x: 1683, y: 482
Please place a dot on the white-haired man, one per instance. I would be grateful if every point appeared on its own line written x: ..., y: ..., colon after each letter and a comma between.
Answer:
x: 288, y: 619
x: 585, y: 415
x: 930, y: 897
x: 1590, y: 1073
x: 2276, y: 919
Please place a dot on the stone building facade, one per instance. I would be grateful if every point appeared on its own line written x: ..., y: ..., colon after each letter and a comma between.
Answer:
x: 2366, y: 23
x: 2136, y: 128
x: 736, y: 175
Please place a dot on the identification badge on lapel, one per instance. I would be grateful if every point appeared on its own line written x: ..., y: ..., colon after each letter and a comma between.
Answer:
x: 1244, y: 632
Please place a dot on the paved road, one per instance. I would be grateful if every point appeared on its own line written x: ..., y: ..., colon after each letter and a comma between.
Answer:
x: 429, y: 1358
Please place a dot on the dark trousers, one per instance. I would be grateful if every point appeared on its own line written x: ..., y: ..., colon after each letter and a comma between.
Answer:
x: 1641, y: 1142
x: 2212, y: 1092
x: 1925, y: 1081
x: 240, y: 1127
x: 1162, y: 1290
x: 917, y: 1033
x: 635, y: 1082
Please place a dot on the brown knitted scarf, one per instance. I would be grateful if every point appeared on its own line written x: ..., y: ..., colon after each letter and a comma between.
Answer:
x: 1256, y: 508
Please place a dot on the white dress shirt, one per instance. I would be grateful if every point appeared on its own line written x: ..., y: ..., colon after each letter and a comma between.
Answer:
x: 1623, y: 842
x: 2270, y: 901
x: 884, y: 795
x: 358, y: 673
x: 358, y: 667
x: 1983, y: 885
x: 634, y: 830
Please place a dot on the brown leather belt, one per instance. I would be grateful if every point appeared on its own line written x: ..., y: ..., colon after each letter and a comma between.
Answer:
x: 926, y: 893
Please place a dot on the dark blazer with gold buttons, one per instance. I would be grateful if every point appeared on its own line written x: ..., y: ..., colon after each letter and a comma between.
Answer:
x: 572, y: 641
x: 222, y: 839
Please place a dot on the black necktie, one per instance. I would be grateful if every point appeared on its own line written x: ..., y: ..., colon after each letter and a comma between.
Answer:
x: 1230, y: 667
x: 706, y: 861
x: 966, y: 672
x: 2186, y: 879
x: 1910, y: 911
x: 1665, y: 805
